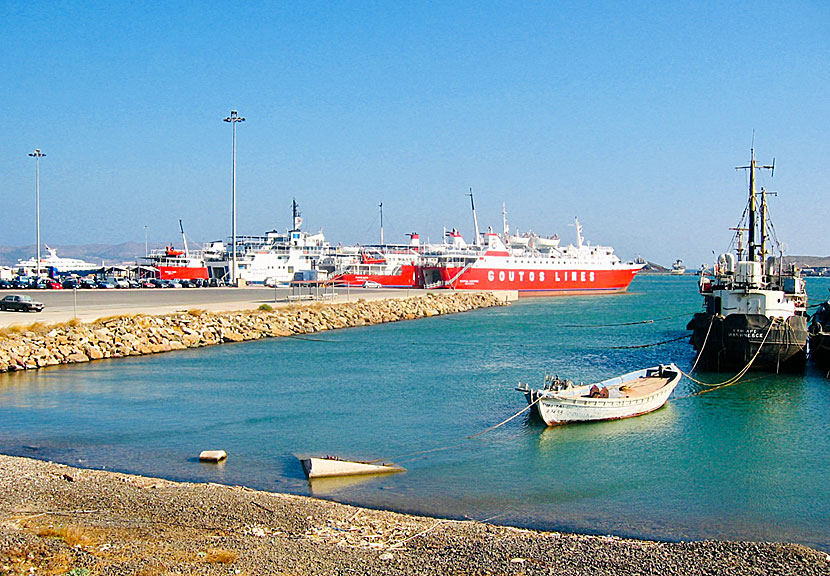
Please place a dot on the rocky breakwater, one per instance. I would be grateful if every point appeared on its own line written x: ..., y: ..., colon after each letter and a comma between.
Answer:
x: 73, y: 342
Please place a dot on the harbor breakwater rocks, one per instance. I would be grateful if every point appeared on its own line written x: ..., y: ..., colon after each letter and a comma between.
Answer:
x: 74, y: 342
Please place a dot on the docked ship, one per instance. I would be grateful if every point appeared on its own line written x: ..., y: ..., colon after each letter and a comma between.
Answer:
x: 678, y: 268
x: 173, y: 264
x: 755, y: 315
x: 819, y: 335
x: 276, y: 257
x: 537, y: 268
x: 386, y: 265
x: 54, y: 265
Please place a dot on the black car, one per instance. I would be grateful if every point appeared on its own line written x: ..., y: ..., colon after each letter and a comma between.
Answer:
x: 20, y: 303
x: 70, y: 283
x: 4, y: 284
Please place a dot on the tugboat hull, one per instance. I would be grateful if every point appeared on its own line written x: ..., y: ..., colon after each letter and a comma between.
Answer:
x: 734, y: 340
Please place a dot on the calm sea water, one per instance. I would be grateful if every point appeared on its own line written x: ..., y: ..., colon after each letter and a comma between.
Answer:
x: 745, y: 462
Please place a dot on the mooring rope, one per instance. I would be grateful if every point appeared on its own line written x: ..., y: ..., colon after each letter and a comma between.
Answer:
x: 734, y: 379
x: 295, y: 337
x: 525, y: 409
x: 409, y: 455
x: 703, y: 347
x: 650, y: 321
x: 647, y: 345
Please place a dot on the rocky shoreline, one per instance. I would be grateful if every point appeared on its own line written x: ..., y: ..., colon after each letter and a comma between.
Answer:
x: 55, y: 519
x: 41, y: 345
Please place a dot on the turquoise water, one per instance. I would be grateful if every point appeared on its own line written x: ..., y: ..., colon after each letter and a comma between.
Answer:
x: 744, y: 462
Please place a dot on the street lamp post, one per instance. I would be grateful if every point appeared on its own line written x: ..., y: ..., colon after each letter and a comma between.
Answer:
x: 37, y: 155
x: 146, y: 251
x: 233, y: 119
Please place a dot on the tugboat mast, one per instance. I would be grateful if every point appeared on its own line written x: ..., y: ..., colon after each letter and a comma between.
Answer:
x: 753, y: 209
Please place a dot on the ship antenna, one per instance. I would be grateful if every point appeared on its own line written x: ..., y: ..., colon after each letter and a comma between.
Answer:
x: 753, y: 204
x: 184, y: 240
x: 381, y: 222
x: 295, y: 213
x: 475, y: 218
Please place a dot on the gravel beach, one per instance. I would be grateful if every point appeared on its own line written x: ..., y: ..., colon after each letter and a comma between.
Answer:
x: 55, y: 519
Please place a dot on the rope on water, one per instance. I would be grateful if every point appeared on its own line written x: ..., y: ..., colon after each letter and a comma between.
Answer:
x: 647, y: 345
x: 651, y: 321
x: 295, y: 337
x: 522, y: 411
x: 457, y: 444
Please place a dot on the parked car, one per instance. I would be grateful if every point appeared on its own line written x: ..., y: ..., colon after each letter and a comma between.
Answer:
x: 371, y: 284
x: 107, y: 284
x: 49, y: 284
x: 157, y: 282
x: 21, y: 283
x: 134, y: 283
x: 4, y: 284
x: 20, y: 303
x: 120, y: 282
x: 148, y: 283
x: 70, y: 283
x: 88, y: 283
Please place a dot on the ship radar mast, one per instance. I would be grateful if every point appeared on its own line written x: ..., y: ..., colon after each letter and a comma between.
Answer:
x: 295, y: 213
x: 381, y: 222
x: 757, y: 238
x: 475, y: 218
x: 184, y: 240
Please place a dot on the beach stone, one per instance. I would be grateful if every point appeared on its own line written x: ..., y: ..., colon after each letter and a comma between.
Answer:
x: 76, y: 357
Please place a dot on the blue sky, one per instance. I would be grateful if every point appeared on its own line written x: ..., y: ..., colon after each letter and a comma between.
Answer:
x: 631, y: 116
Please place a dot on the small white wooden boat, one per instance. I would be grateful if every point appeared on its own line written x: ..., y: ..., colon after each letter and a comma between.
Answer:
x: 330, y: 466
x: 632, y: 394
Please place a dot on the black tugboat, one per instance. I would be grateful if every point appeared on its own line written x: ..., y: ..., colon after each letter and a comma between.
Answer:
x: 820, y: 335
x: 756, y: 313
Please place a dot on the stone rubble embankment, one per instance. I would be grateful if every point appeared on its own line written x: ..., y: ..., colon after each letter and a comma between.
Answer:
x: 38, y: 346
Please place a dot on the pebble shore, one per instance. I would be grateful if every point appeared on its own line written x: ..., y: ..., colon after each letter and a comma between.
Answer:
x: 55, y: 519
x: 74, y: 342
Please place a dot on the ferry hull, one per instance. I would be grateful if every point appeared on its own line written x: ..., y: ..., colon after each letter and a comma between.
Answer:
x: 182, y: 273
x: 734, y: 340
x: 540, y: 282
x: 407, y: 278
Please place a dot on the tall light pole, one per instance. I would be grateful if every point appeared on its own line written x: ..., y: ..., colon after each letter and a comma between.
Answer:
x: 146, y: 251
x: 37, y: 155
x: 233, y: 119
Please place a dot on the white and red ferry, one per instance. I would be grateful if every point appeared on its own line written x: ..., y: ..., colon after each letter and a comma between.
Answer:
x: 546, y: 270
x: 387, y: 266
x: 175, y: 264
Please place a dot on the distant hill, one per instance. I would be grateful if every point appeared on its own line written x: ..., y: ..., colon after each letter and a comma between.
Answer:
x: 95, y: 253
x: 653, y: 268
x: 808, y: 261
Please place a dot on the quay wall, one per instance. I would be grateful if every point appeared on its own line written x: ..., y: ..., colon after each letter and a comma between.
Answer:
x: 41, y: 345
